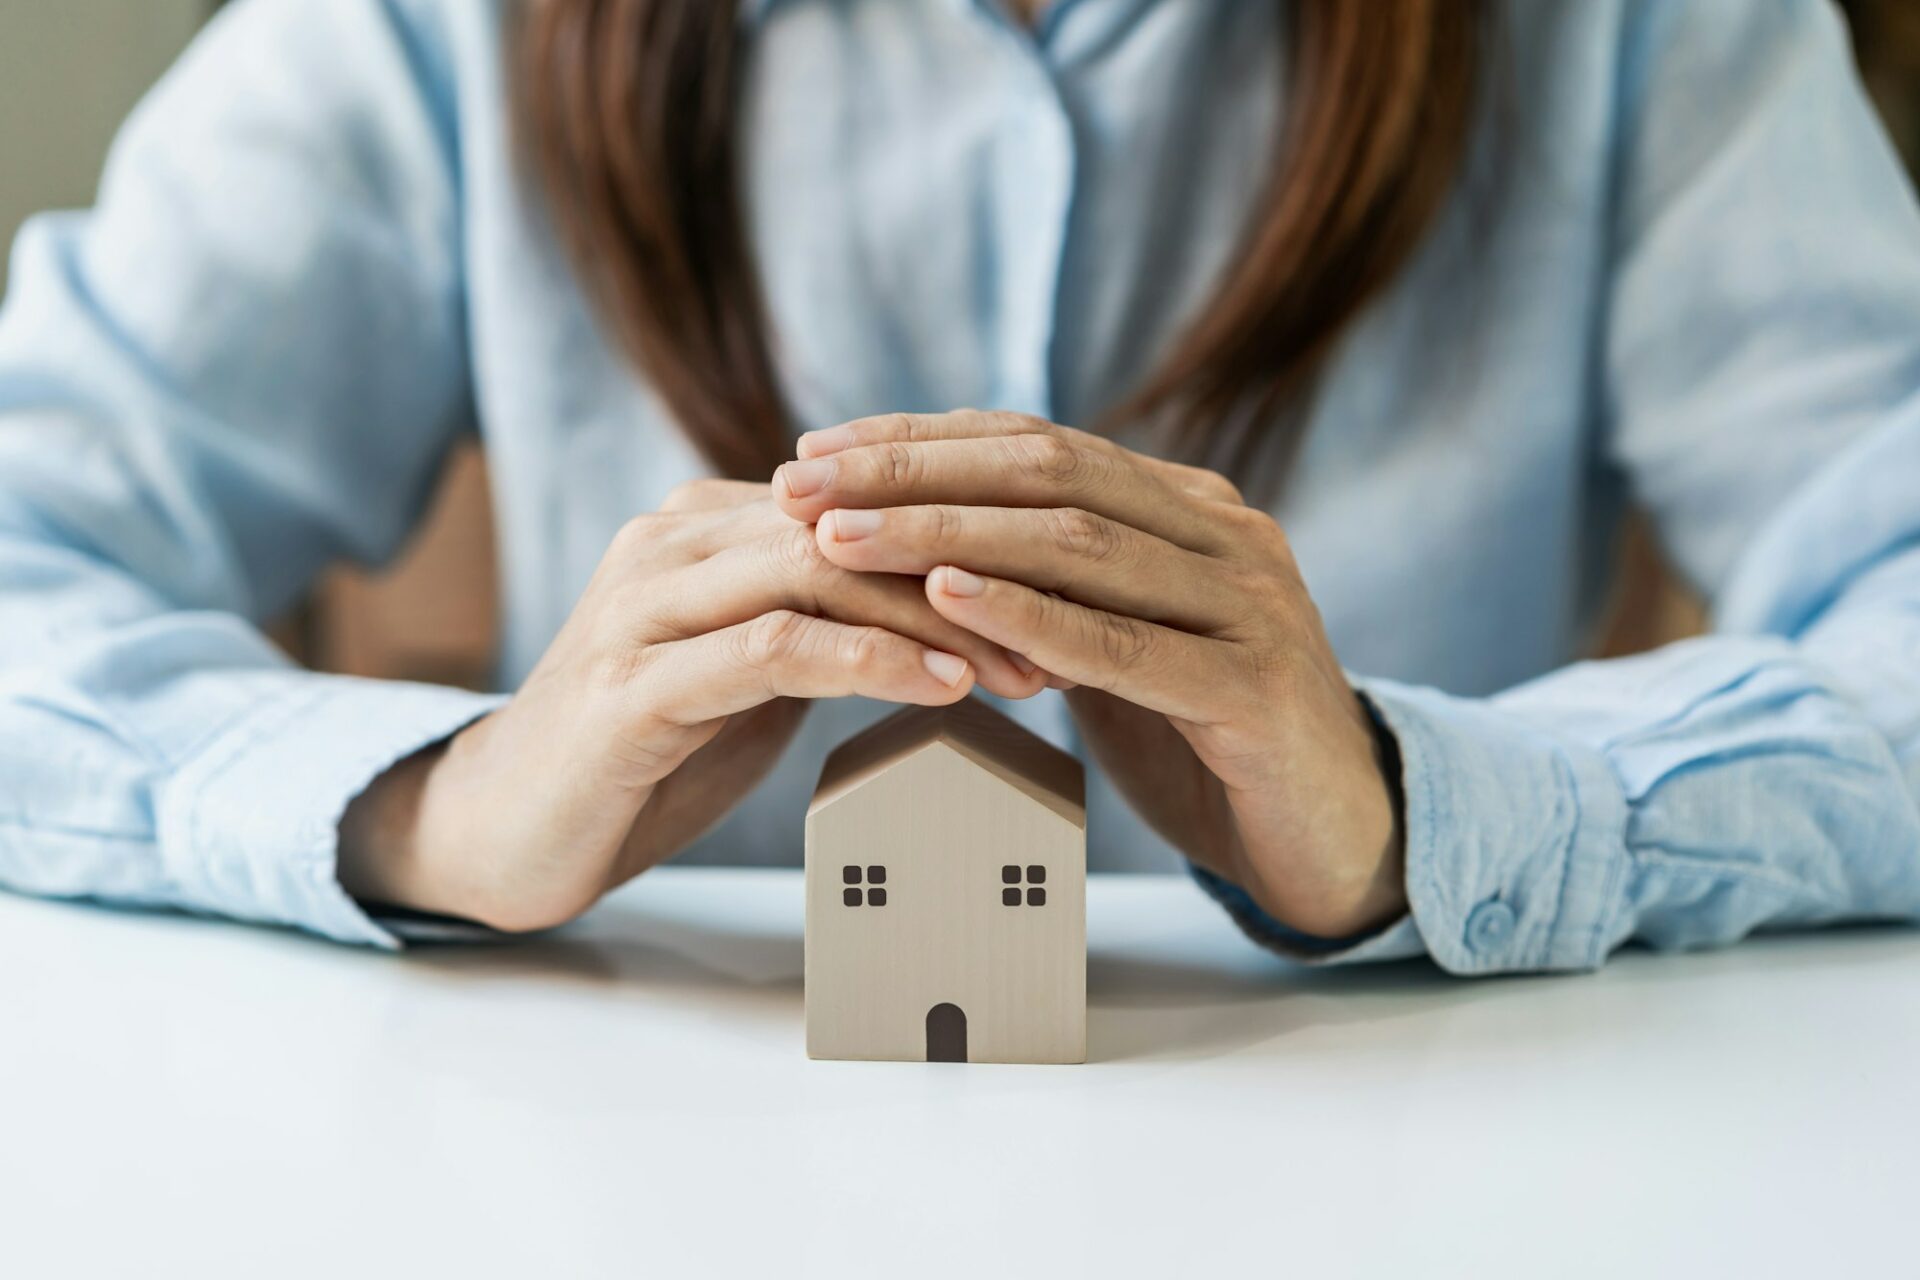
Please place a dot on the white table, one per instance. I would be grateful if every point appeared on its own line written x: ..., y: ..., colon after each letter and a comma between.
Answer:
x: 630, y: 1097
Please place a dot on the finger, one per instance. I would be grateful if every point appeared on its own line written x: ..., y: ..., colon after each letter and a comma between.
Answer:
x: 709, y: 493
x: 972, y: 424
x: 788, y: 571
x: 693, y: 532
x: 1010, y: 471
x: 791, y: 655
x: 1085, y: 557
x: 1192, y: 677
x: 719, y: 528
x: 696, y: 520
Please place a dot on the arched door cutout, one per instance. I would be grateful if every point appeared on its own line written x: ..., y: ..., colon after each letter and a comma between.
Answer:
x: 946, y: 1034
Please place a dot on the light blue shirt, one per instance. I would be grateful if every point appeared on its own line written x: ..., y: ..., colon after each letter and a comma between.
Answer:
x: 1684, y: 266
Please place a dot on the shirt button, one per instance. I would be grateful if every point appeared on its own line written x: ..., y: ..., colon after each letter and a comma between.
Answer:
x: 1490, y: 926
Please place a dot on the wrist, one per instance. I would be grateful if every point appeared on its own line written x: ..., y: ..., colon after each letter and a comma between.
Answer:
x: 380, y: 843
x: 1347, y: 879
x: 1386, y: 759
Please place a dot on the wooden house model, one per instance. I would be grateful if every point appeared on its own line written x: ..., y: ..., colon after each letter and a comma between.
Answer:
x: 946, y: 894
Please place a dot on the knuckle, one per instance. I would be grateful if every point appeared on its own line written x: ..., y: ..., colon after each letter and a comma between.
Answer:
x: 945, y: 526
x: 795, y: 552
x: 770, y: 638
x: 1083, y: 535
x: 637, y: 536
x: 805, y: 570
x: 860, y: 649
x: 618, y: 663
x: 1217, y: 487
x: 1089, y: 443
x: 1258, y: 521
x: 1051, y: 458
x: 1024, y: 424
x: 1260, y: 528
x: 1045, y: 614
x: 901, y: 426
x: 1123, y: 642
x: 896, y: 465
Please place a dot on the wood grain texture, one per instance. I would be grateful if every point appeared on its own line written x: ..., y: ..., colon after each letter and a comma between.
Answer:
x: 943, y: 814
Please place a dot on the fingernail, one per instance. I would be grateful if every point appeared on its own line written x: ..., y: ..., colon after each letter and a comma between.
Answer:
x: 958, y: 582
x: 851, y: 524
x: 946, y: 668
x: 817, y: 444
x: 1020, y: 663
x: 802, y: 478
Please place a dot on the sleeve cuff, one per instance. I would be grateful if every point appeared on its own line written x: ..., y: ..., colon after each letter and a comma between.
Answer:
x: 1516, y: 846
x: 249, y: 827
x: 1516, y: 842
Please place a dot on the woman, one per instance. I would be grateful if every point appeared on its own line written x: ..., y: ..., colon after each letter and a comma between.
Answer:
x: 1372, y: 318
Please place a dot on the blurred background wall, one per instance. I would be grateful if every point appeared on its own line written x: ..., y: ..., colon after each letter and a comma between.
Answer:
x: 71, y: 69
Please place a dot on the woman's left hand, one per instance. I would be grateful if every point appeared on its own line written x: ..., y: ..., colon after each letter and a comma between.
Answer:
x: 1198, y: 664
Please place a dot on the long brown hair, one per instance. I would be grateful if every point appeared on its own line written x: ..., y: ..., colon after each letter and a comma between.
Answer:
x: 626, y: 109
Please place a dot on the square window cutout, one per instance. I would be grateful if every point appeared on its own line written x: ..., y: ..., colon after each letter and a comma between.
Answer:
x: 1036, y: 897
x: 1036, y: 875
x: 876, y: 897
x: 1009, y: 897
x: 876, y: 875
x: 849, y: 875
x: 1009, y: 875
x: 851, y: 897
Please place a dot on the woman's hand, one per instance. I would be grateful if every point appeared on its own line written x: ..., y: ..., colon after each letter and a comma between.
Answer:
x: 1205, y: 680
x: 668, y: 693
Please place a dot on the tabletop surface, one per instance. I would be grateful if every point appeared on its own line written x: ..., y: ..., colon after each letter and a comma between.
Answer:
x: 630, y: 1096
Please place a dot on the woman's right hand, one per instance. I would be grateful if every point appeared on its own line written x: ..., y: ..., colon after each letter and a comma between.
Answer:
x: 669, y: 692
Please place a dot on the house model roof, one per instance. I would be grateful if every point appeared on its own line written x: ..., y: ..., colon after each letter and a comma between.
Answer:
x: 976, y: 731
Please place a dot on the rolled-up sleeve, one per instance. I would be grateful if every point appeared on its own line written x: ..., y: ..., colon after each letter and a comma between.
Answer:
x: 248, y: 361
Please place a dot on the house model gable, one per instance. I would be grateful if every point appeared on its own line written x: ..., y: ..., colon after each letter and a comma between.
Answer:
x: 946, y: 881
x: 1022, y: 759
